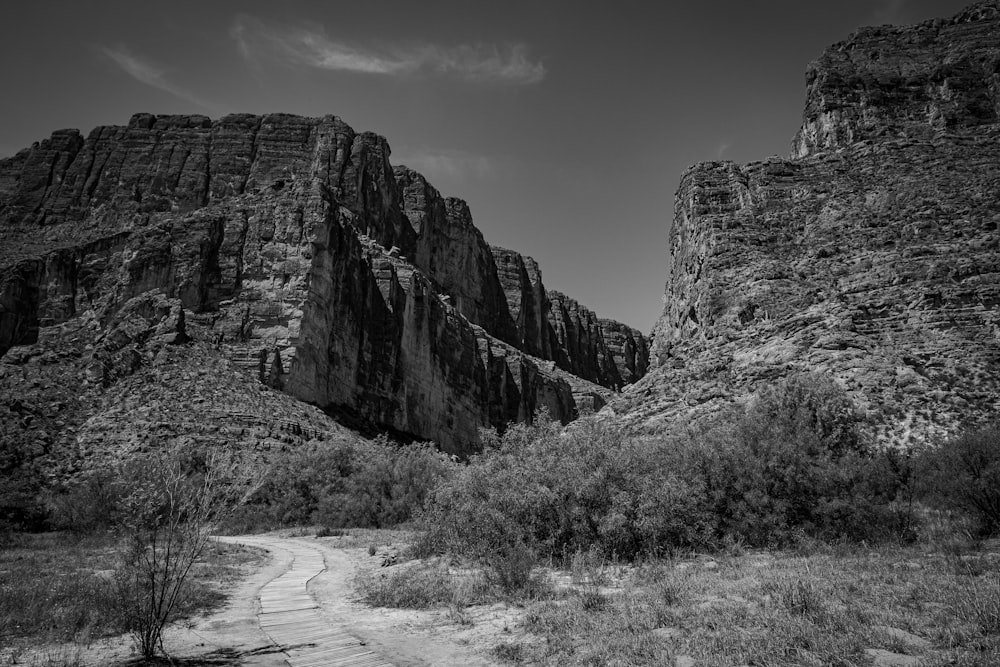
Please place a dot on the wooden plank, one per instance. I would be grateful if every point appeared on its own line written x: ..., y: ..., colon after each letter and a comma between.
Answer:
x: 291, y: 617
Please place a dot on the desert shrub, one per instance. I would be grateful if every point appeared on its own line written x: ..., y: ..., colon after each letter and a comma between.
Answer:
x: 792, y: 463
x: 87, y: 504
x: 536, y: 492
x: 387, y: 483
x: 343, y: 484
x: 171, y: 500
x: 22, y: 481
x: 963, y: 474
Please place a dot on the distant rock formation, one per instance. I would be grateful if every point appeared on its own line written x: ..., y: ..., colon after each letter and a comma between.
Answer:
x: 873, y: 254
x: 291, y: 248
x: 550, y: 325
x: 527, y: 301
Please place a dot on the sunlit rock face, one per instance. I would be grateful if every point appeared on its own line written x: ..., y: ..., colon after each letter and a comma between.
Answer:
x: 904, y: 82
x: 293, y: 252
x: 872, y: 254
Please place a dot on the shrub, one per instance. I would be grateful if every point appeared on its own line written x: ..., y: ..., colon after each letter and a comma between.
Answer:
x: 794, y: 463
x: 386, y: 483
x: 22, y: 480
x: 344, y: 484
x: 964, y: 474
x: 87, y: 504
x: 536, y: 492
x: 171, y: 500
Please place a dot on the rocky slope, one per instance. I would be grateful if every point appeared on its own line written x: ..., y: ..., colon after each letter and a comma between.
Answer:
x: 291, y: 250
x: 872, y: 254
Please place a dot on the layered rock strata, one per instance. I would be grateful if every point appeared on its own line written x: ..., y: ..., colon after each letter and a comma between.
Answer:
x: 872, y: 254
x: 453, y: 253
x: 551, y: 325
x: 293, y: 251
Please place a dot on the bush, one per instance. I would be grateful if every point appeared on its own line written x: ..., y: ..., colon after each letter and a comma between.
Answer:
x: 22, y: 481
x: 87, y: 504
x: 385, y: 485
x: 170, y: 503
x: 538, y: 493
x: 794, y: 463
x: 964, y: 474
x: 344, y: 484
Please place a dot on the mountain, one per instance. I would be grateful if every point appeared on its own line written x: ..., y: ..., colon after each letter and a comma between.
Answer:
x: 288, y: 259
x: 872, y: 254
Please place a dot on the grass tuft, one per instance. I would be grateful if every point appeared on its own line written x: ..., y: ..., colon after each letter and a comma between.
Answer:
x: 422, y: 585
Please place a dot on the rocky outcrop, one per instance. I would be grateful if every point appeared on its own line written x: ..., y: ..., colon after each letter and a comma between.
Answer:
x: 284, y: 247
x: 452, y: 252
x: 890, y: 82
x: 553, y: 326
x: 578, y: 341
x: 872, y: 255
x: 528, y: 304
x: 119, y: 178
x: 628, y: 349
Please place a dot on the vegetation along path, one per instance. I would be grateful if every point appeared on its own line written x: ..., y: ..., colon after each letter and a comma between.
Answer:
x: 293, y: 620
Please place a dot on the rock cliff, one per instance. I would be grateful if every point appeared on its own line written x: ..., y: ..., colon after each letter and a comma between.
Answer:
x: 452, y: 252
x: 872, y: 254
x: 551, y: 325
x: 291, y: 250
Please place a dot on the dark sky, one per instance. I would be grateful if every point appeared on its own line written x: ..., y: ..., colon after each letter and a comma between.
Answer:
x: 564, y: 124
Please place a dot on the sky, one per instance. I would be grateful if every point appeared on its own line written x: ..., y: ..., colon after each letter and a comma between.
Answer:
x: 565, y: 124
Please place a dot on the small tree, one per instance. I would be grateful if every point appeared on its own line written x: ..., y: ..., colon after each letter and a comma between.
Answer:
x: 795, y: 462
x: 171, y: 500
x: 964, y: 474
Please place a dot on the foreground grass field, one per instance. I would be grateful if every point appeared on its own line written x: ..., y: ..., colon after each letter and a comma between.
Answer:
x: 818, y: 605
x: 55, y: 588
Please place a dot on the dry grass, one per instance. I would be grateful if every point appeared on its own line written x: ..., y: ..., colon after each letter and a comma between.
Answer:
x: 820, y: 605
x: 56, y: 588
x: 422, y: 585
x: 822, y: 608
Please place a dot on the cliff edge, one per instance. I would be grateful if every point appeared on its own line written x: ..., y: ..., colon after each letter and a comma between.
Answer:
x: 871, y: 254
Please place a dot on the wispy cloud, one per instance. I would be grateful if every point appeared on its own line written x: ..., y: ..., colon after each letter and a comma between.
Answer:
x: 451, y: 164
x: 148, y: 73
x: 310, y: 46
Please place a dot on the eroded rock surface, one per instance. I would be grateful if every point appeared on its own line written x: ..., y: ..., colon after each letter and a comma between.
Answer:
x: 873, y: 254
x: 285, y: 247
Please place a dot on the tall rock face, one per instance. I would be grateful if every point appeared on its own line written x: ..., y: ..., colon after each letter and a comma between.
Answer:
x: 578, y: 341
x: 526, y: 299
x: 452, y: 252
x: 628, y: 349
x: 552, y: 326
x: 284, y: 249
x: 873, y: 254
x: 915, y: 82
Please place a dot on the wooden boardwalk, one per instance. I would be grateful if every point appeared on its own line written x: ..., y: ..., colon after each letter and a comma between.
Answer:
x: 293, y: 620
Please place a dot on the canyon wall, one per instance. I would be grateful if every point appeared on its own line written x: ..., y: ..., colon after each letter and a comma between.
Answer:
x: 295, y: 252
x: 872, y: 254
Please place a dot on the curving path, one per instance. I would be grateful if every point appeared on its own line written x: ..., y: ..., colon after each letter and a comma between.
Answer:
x: 292, y: 619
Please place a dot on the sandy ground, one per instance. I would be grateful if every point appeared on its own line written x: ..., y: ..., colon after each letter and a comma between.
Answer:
x: 406, y: 637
